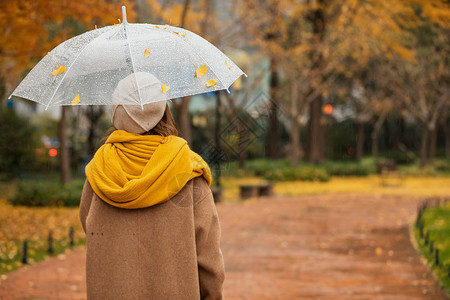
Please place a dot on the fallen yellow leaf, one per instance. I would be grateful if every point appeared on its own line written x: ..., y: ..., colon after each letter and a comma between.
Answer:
x: 378, y: 251
x: 146, y: 53
x: 183, y: 35
x: 76, y: 100
x: 58, y: 70
x: 176, y: 32
x: 157, y: 26
x: 165, y: 88
x: 211, y: 83
x: 228, y: 66
x: 200, y: 72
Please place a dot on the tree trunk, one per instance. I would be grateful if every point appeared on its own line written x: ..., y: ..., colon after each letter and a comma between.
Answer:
x: 433, y: 143
x: 360, y: 141
x: 240, y: 143
x: 216, y: 166
x: 93, y: 113
x: 2, y: 90
x: 315, y: 129
x: 183, y: 118
x: 91, y: 139
x: 424, y: 146
x: 295, y: 130
x: 315, y: 132
x: 447, y: 138
x: 184, y: 13
x: 274, y: 131
x: 64, y: 158
x: 374, y: 135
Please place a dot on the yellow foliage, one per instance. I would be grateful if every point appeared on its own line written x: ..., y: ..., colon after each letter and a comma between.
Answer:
x: 404, y: 53
x: 409, y: 186
x: 227, y: 65
x: 165, y: 88
x: 146, y: 53
x: 32, y: 28
x: 76, y: 100
x: 412, y: 186
x: 201, y: 71
x: 211, y: 83
x: 58, y: 70
x: 33, y: 224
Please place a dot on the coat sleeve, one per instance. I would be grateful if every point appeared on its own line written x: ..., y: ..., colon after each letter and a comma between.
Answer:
x: 85, y: 203
x: 209, y: 256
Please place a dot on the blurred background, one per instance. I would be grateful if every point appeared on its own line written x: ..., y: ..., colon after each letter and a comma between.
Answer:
x: 341, y: 96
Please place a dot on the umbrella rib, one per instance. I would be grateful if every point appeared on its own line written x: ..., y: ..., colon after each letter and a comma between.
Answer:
x: 195, y: 53
x: 134, y: 69
x: 68, y: 69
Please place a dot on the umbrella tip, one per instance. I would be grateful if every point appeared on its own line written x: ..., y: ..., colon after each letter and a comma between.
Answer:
x: 124, y: 15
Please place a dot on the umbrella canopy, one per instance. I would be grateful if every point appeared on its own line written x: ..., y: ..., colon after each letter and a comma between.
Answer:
x: 86, y: 69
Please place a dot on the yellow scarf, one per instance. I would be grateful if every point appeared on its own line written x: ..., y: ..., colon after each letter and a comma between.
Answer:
x: 136, y: 171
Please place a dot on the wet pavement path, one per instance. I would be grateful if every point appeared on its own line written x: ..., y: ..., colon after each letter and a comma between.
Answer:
x: 349, y: 246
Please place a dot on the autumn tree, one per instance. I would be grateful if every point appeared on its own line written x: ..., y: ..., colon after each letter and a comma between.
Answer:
x: 33, y: 28
x: 426, y: 82
x: 338, y: 50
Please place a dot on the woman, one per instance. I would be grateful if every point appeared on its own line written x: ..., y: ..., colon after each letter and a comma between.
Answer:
x: 152, y: 230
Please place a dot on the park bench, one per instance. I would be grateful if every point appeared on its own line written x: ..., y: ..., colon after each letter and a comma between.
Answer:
x: 256, y: 190
x: 387, y: 171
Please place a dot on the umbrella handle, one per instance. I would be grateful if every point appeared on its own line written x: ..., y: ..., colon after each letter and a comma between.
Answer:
x: 124, y: 15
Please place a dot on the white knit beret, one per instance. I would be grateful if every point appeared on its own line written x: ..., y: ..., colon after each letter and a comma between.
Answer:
x: 128, y: 114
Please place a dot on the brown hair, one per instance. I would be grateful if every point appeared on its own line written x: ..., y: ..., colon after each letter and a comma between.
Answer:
x: 165, y: 127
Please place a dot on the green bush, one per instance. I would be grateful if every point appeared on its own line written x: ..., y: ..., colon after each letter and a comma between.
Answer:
x: 17, y: 144
x: 47, y: 193
x: 259, y: 167
x: 299, y: 173
x: 401, y: 158
x: 441, y: 165
x: 416, y: 171
x: 347, y: 169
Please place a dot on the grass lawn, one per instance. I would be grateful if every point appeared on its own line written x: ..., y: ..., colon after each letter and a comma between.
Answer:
x: 436, y: 231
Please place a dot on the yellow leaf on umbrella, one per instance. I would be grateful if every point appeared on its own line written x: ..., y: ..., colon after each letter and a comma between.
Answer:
x: 211, y: 83
x: 183, y: 35
x: 228, y: 66
x: 165, y: 88
x: 146, y: 53
x: 157, y: 26
x: 76, y: 100
x: 176, y: 32
x: 58, y: 70
x: 200, y: 72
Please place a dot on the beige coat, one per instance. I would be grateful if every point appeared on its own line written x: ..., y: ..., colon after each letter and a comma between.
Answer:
x: 167, y: 251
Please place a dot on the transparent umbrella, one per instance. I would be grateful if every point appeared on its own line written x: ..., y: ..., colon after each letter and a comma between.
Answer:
x: 86, y: 69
